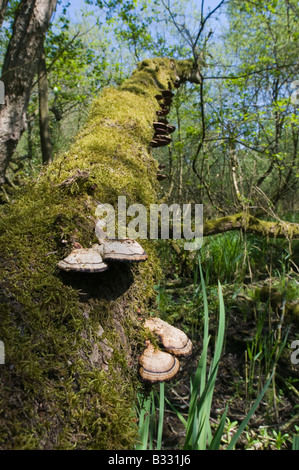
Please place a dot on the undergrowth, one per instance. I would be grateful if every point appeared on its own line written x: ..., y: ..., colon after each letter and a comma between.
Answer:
x: 259, y: 280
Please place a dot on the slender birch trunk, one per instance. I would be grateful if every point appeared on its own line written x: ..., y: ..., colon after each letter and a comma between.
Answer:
x: 20, y: 65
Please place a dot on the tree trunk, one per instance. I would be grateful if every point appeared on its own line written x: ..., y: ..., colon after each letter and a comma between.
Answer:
x: 3, y: 5
x: 72, y: 340
x: 44, y: 117
x: 31, y: 22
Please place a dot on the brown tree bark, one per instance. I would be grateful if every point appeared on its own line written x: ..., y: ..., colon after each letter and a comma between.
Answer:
x: 20, y: 64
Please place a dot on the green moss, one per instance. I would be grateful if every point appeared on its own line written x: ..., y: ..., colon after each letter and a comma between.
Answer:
x: 54, y: 392
x: 150, y: 75
x: 184, y: 67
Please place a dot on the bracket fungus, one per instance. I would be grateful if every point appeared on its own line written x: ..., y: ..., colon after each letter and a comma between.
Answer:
x: 160, y: 141
x: 162, y: 128
x: 123, y: 249
x: 156, y: 365
x: 163, y: 112
x: 83, y: 260
x: 118, y: 249
x: 166, y: 102
x: 167, y: 94
x: 94, y: 259
x: 163, y: 121
x: 170, y: 128
x: 161, y: 177
x: 175, y: 341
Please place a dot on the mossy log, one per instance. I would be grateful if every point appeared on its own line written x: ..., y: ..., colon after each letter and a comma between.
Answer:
x: 71, y: 340
x: 250, y: 224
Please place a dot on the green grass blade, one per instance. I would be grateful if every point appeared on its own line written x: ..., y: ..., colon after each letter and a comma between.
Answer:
x: 196, y: 382
x: 144, y: 423
x: 249, y: 415
x: 198, y: 428
x: 206, y: 325
x: 152, y: 420
x: 192, y: 435
x: 161, y: 415
x: 295, y: 445
x: 216, y: 441
x: 221, y: 327
x: 198, y: 415
x: 206, y: 435
x: 178, y: 414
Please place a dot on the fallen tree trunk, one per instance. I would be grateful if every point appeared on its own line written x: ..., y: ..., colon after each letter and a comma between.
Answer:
x: 72, y: 340
x: 243, y: 221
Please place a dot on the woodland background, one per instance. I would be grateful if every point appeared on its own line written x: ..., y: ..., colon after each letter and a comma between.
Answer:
x: 235, y: 150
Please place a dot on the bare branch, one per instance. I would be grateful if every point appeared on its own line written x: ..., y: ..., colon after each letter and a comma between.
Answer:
x: 253, y: 72
x: 203, y: 22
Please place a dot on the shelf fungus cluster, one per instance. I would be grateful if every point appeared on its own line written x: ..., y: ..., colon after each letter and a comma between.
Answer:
x: 97, y: 258
x: 162, y: 129
x: 160, y: 366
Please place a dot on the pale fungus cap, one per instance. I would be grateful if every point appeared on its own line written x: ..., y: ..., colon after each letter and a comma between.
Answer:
x: 93, y: 259
x: 175, y: 341
x: 156, y: 365
x: 83, y: 260
x: 123, y: 250
x: 118, y: 249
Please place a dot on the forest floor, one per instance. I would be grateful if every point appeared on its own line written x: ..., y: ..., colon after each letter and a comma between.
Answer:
x: 248, y: 356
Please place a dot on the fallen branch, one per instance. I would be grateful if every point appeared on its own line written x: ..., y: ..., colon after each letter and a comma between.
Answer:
x: 250, y: 224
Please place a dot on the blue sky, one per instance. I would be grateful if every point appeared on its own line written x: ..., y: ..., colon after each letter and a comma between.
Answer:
x: 216, y: 22
x: 208, y: 3
x: 77, y: 5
